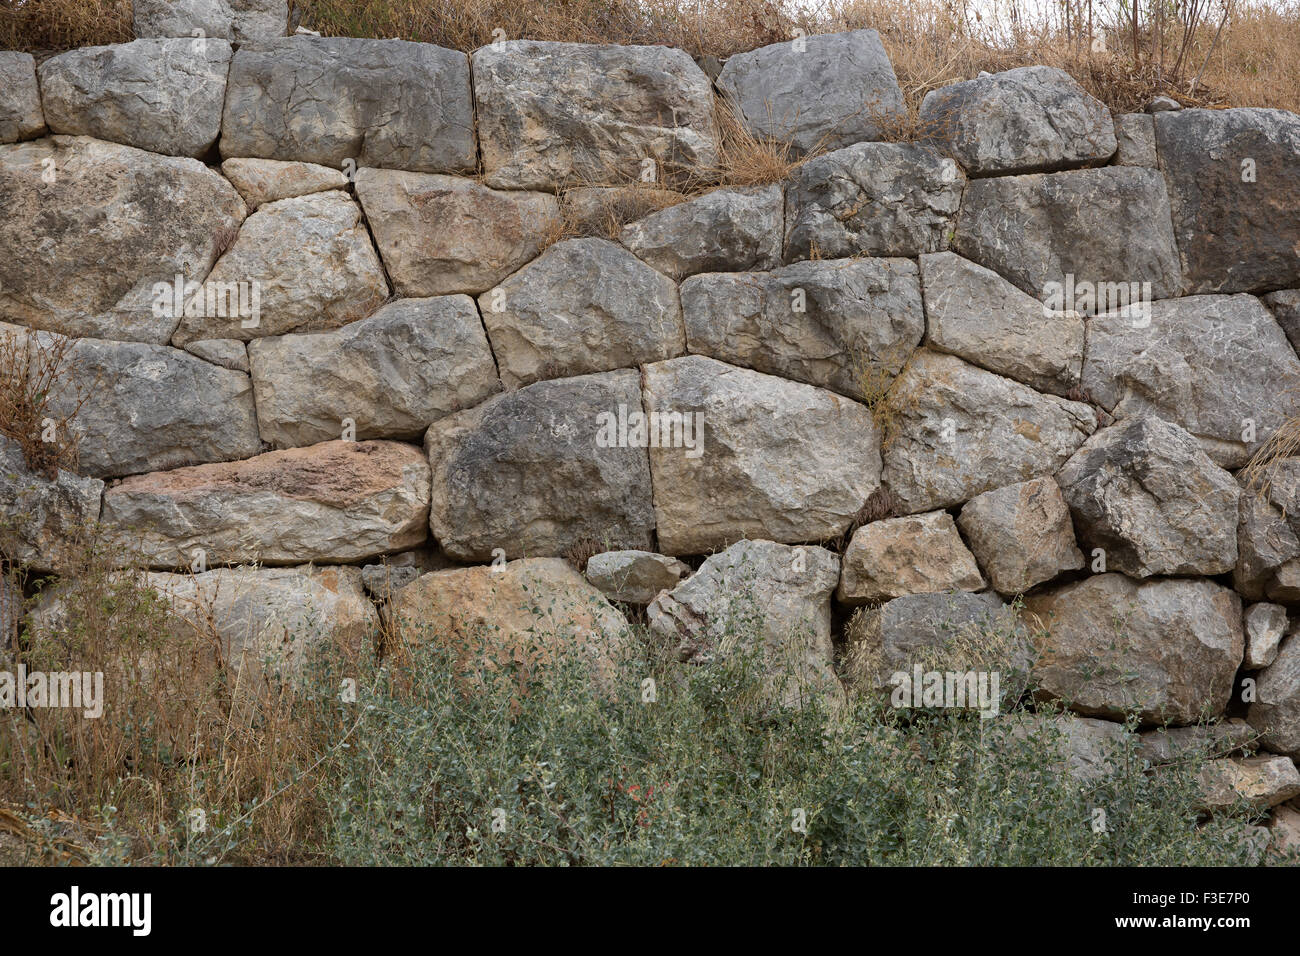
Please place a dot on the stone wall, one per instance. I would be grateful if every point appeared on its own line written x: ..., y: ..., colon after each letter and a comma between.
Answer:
x: 340, y: 343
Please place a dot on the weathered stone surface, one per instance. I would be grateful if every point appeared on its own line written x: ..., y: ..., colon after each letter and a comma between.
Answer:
x: 376, y: 102
x: 1021, y: 534
x: 305, y: 263
x: 1135, y: 137
x: 727, y: 230
x: 1159, y: 104
x: 334, y: 502
x: 823, y: 91
x: 527, y: 472
x: 974, y: 313
x: 1106, y: 227
x: 1286, y: 309
x: 1167, y: 649
x: 603, y: 210
x: 11, y: 613
x: 1233, y: 177
x: 554, y: 113
x: 1284, y: 831
x: 771, y: 458
x: 391, y: 375
x: 1032, y: 119
x: 1262, y: 782
x: 634, y: 577
x: 441, y: 235
x: 396, y: 571
x: 1268, y: 548
x: 1086, y: 748
x: 261, y: 181
x: 150, y: 407
x: 43, y: 521
x: 876, y: 199
x: 763, y: 598
x: 20, y: 98
x: 844, y: 324
x: 236, y: 20
x: 1216, y: 365
x: 228, y: 353
x: 1275, y: 712
x: 524, y: 613
x: 918, y: 554
x: 161, y: 95
x: 584, y: 305
x: 960, y: 431
x: 1221, y: 739
x: 150, y: 217
x: 1266, y: 625
x: 1145, y: 492
x: 946, y: 632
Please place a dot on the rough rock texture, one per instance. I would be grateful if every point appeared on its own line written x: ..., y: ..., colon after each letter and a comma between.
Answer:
x: 1284, y: 829
x: 936, y: 631
x: 1135, y: 137
x: 1215, y: 365
x: 763, y: 598
x: 391, y: 375
x: 1268, y: 547
x: 523, y: 613
x: 1032, y: 119
x: 634, y: 577
x: 1086, y: 748
x: 441, y: 235
x: 1286, y: 309
x: 396, y: 571
x: 876, y: 199
x: 376, y: 102
x: 228, y: 353
x: 43, y: 520
x: 262, y: 181
x: 150, y: 407
x: 1167, y: 649
x: 845, y: 324
x: 161, y: 95
x: 776, y: 459
x: 913, y: 555
x: 11, y: 614
x: 1275, y: 712
x: 1233, y: 176
x: 555, y: 113
x: 603, y: 210
x: 1145, y: 492
x: 821, y: 91
x: 1260, y: 781
x: 727, y: 230
x: 314, y: 269
x: 1021, y: 534
x: 334, y: 502
x: 1096, y: 225
x: 1166, y: 744
x: 974, y: 313
x: 584, y: 305
x: 1266, y: 625
x: 20, y: 98
x: 960, y: 431
x: 527, y: 473
x: 150, y: 216
x: 274, y: 616
x: 236, y: 20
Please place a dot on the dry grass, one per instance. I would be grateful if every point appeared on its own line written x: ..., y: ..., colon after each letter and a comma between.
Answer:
x: 32, y: 368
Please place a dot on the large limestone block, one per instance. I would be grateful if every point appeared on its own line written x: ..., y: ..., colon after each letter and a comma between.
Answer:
x: 958, y: 431
x: 70, y: 207
x: 727, y: 230
x: 536, y: 472
x: 1144, y: 492
x: 817, y: 92
x: 261, y: 181
x: 328, y: 100
x: 768, y: 458
x: 304, y: 264
x: 1217, y: 365
x: 918, y: 554
x: 336, y: 502
x: 634, y: 577
x: 764, y: 598
x: 550, y: 114
x: 843, y: 324
x: 1166, y: 649
x: 237, y: 20
x: 1268, y: 546
x: 441, y: 235
x: 1262, y: 782
x: 20, y: 98
x: 1032, y: 119
x: 1108, y: 227
x: 875, y: 199
x: 161, y: 95
x: 45, y: 521
x: 1021, y: 534
x: 390, y: 376
x: 1233, y: 178
x: 1266, y: 625
x: 1275, y: 712
x: 584, y: 305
